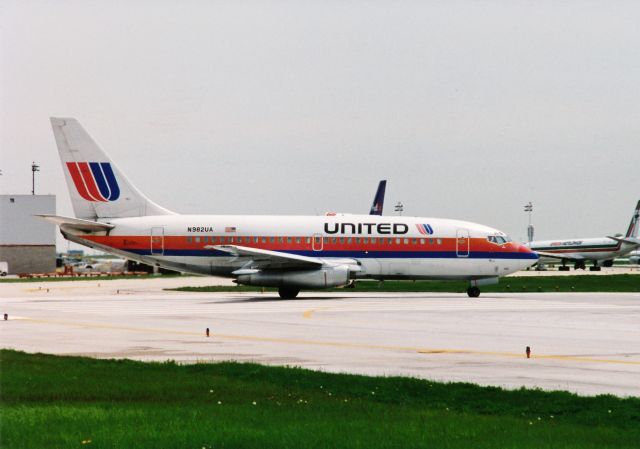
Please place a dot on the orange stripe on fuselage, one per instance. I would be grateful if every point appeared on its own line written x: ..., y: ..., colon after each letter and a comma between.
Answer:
x: 133, y: 242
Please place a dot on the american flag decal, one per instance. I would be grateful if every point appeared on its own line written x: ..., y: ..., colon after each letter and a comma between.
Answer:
x: 230, y: 229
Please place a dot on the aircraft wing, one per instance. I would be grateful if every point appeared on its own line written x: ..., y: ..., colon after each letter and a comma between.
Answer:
x: 274, y: 260
x: 559, y: 256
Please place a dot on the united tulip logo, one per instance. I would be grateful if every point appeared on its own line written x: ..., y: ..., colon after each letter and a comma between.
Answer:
x: 95, y: 181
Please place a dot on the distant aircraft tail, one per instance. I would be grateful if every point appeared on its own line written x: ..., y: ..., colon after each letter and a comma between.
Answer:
x: 632, y: 232
x: 378, y: 200
x: 98, y: 188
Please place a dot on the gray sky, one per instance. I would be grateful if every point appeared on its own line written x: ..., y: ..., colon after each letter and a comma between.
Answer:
x: 469, y: 108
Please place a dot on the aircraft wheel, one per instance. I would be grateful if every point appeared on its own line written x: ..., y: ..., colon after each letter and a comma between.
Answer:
x: 563, y: 268
x: 595, y: 269
x: 473, y: 292
x: 288, y: 292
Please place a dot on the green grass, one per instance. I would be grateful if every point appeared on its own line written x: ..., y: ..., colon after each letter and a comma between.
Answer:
x: 58, y: 402
x: 583, y: 283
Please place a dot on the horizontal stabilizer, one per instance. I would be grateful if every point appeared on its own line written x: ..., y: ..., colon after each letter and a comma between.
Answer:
x: 76, y: 223
x: 628, y: 240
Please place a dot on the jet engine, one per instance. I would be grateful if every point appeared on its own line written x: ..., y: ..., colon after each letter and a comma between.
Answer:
x: 320, y: 278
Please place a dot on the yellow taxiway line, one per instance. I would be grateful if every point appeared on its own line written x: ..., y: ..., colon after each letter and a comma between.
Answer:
x: 419, y: 350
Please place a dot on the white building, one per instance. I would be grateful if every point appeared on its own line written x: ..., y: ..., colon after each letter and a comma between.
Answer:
x: 27, y: 243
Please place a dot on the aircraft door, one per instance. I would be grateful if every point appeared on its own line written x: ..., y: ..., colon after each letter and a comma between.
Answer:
x: 462, y: 243
x: 157, y: 241
x: 316, y: 242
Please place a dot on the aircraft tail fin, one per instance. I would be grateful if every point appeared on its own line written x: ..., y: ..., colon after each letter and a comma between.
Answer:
x: 633, y: 226
x: 378, y: 200
x: 97, y: 187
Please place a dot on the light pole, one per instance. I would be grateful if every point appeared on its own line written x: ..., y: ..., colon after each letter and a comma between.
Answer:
x: 529, y: 209
x: 399, y: 207
x: 34, y: 169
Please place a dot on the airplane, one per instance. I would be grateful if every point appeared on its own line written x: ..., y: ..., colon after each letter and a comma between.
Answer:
x: 287, y: 252
x: 634, y: 257
x: 600, y: 251
x: 378, y: 199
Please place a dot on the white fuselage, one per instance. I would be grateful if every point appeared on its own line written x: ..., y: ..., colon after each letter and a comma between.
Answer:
x: 383, y: 247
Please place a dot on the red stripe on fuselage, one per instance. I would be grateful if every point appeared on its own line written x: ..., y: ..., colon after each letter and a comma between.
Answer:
x: 125, y: 243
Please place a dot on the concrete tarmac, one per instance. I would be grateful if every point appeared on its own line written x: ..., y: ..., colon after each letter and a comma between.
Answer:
x: 587, y: 343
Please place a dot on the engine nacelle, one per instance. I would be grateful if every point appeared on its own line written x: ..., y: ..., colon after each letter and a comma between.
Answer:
x: 320, y: 278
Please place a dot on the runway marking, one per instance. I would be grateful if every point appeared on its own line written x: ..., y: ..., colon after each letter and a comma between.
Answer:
x: 416, y: 349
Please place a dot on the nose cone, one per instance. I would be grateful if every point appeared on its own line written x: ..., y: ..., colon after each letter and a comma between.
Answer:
x: 528, y: 257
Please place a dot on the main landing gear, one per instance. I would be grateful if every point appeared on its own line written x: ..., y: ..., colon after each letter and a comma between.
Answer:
x: 288, y: 292
x: 580, y: 265
x: 473, y: 291
x: 564, y: 266
x: 595, y: 267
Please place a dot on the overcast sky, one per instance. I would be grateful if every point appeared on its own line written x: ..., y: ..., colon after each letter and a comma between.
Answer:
x: 470, y: 109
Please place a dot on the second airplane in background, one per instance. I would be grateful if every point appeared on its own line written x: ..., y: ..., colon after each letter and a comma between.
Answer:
x: 599, y: 251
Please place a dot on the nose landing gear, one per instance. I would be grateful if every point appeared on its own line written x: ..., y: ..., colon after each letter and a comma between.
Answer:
x: 473, y: 291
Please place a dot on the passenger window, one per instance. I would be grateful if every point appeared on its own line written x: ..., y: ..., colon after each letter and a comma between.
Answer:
x: 272, y: 239
x: 341, y: 239
x: 197, y: 239
x: 239, y: 239
x: 349, y: 240
x: 398, y: 241
x: 280, y: 239
x: 439, y: 241
x: 414, y: 241
x: 288, y: 239
x: 358, y: 240
x: 389, y: 241
x: 430, y: 241
x: 326, y: 240
x: 373, y: 240
x: 298, y: 240
x: 264, y: 240
x: 256, y: 239
x: 188, y: 239
x: 406, y: 241
x: 423, y: 241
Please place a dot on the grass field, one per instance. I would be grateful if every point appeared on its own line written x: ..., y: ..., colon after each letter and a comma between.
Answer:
x: 70, y: 402
x: 609, y: 283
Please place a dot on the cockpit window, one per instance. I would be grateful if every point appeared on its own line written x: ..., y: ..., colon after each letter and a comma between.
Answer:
x: 498, y: 239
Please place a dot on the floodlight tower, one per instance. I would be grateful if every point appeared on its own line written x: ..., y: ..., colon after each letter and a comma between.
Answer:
x: 399, y: 207
x: 529, y: 209
x: 34, y: 169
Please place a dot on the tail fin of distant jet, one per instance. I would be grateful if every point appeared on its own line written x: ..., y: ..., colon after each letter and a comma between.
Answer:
x: 633, y: 226
x: 98, y: 188
x: 378, y: 200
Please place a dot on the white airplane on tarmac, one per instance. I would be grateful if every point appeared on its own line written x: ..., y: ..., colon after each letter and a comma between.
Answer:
x: 600, y: 251
x: 288, y: 252
x: 634, y: 257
